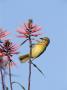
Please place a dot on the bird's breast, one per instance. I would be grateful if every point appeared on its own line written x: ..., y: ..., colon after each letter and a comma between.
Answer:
x: 37, y: 50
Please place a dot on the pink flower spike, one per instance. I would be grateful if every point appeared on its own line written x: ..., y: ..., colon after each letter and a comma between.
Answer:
x: 10, y: 48
x: 35, y: 35
x: 7, y: 33
x: 36, y: 29
x: 3, y: 33
x: 21, y: 36
x: 22, y: 32
x: 28, y: 29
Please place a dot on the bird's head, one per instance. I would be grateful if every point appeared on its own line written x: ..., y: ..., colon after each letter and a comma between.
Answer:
x: 45, y: 40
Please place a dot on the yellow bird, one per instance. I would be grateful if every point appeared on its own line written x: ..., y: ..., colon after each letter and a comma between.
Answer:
x: 37, y: 49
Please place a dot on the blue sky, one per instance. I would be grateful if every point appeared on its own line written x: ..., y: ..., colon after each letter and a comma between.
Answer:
x: 52, y: 16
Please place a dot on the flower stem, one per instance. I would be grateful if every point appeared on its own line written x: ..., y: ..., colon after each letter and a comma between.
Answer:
x: 2, y: 77
x: 29, y: 80
x: 10, y: 76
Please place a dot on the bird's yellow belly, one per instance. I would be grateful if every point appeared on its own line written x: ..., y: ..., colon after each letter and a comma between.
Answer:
x: 37, y: 50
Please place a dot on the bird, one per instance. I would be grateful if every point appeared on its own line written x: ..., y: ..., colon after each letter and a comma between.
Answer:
x: 37, y: 50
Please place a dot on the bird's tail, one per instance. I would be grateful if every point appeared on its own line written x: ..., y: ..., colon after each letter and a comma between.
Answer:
x: 24, y: 58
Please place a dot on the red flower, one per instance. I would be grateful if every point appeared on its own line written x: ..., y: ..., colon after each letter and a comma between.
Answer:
x: 28, y: 29
x: 3, y: 33
x: 7, y: 50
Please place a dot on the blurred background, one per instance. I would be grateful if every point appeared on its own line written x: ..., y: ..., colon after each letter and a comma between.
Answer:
x: 51, y: 15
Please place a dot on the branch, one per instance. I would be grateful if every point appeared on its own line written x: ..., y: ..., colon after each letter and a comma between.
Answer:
x: 19, y: 85
x: 23, y: 42
x: 37, y: 68
x: 2, y: 77
x: 10, y: 75
x: 7, y: 88
x: 29, y: 79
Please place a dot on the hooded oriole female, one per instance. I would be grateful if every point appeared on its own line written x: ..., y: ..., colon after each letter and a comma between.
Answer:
x: 37, y: 49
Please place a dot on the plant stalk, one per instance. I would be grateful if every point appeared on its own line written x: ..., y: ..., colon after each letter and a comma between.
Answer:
x: 2, y: 77
x: 10, y: 76
x: 29, y: 79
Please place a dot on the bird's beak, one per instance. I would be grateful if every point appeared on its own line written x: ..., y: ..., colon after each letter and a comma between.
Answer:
x: 41, y: 38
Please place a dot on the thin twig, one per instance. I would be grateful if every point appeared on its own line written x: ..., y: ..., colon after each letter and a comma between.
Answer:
x: 7, y: 88
x: 19, y: 85
x: 2, y: 77
x: 23, y: 42
x: 37, y: 68
x: 10, y: 76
